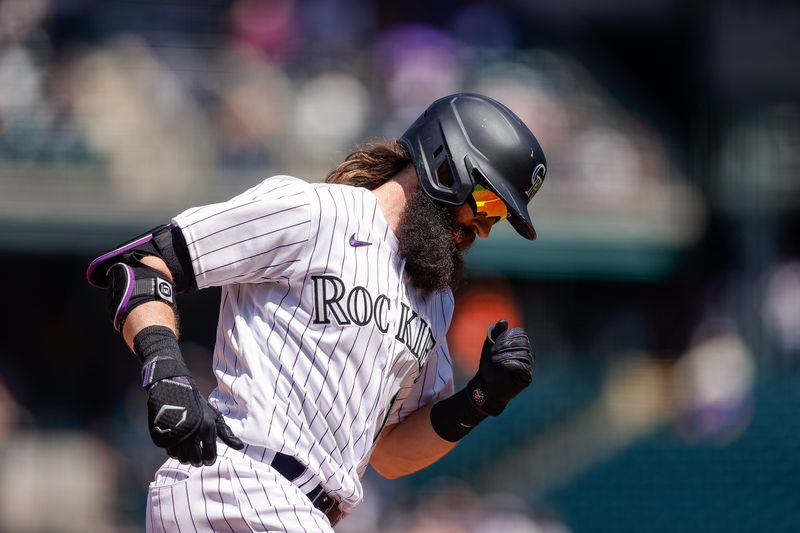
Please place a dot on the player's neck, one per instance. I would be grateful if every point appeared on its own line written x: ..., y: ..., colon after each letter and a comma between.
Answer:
x: 393, y: 195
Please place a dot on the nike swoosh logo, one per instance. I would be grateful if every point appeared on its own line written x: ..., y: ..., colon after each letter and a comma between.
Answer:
x: 355, y: 243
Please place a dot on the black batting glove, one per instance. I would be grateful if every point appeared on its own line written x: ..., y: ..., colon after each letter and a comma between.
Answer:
x: 505, y: 369
x: 179, y: 418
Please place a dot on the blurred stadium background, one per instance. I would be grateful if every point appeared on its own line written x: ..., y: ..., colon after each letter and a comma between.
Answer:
x: 662, y: 297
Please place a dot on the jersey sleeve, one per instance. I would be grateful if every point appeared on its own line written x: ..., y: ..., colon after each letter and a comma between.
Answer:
x: 435, y: 383
x: 257, y: 236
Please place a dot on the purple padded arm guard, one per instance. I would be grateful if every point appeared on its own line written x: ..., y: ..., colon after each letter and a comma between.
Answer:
x: 166, y: 241
x: 127, y: 281
x: 97, y: 273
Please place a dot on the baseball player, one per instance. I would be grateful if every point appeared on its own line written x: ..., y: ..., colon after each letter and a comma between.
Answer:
x: 330, y: 349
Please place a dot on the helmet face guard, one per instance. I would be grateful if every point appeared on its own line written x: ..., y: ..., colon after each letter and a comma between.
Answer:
x: 464, y: 140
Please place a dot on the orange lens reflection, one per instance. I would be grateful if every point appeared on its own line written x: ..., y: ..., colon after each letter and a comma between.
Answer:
x: 488, y: 203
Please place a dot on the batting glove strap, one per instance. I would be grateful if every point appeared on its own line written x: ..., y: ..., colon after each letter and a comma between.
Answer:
x: 160, y: 368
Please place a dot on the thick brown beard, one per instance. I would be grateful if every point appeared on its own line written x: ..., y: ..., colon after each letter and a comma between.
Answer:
x: 427, y: 230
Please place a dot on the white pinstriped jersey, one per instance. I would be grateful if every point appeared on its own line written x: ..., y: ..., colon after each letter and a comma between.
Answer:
x: 321, y: 340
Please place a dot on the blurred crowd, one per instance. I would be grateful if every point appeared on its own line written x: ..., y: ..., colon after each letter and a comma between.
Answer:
x: 170, y: 105
x: 117, y: 114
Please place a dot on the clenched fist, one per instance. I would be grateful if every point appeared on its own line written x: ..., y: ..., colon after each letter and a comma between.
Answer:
x: 505, y: 368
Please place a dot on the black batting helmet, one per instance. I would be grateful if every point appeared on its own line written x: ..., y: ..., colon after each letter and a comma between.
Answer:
x: 465, y: 139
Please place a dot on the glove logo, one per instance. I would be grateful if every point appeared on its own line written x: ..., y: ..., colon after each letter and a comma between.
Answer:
x: 164, y: 289
x: 479, y: 397
x: 164, y: 411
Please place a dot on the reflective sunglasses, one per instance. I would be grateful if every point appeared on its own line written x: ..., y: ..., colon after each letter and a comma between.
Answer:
x: 487, y: 203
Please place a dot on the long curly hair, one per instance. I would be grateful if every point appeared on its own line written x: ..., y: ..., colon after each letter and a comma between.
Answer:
x: 371, y: 164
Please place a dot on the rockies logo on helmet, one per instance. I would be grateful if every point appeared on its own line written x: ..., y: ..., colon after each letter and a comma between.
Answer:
x: 537, y: 178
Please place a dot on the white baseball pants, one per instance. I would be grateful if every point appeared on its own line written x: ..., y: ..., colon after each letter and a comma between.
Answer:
x: 234, y: 494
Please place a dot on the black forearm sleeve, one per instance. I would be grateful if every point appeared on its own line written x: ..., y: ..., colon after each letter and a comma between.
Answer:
x: 157, y: 349
x: 454, y: 417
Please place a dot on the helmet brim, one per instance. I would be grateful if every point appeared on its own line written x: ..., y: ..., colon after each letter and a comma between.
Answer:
x: 517, y: 203
x: 518, y: 215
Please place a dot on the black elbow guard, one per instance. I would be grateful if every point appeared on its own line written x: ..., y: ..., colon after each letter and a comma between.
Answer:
x: 129, y: 282
x: 165, y: 241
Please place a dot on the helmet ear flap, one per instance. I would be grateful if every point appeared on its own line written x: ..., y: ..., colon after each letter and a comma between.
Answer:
x: 444, y: 173
x: 436, y: 170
